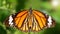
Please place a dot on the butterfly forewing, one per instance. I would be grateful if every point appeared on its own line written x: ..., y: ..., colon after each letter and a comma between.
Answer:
x: 20, y: 17
x: 39, y: 17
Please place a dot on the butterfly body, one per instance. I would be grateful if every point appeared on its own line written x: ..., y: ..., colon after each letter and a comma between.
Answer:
x: 30, y: 20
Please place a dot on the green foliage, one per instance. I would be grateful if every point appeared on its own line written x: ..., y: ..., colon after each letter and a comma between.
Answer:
x: 8, y: 7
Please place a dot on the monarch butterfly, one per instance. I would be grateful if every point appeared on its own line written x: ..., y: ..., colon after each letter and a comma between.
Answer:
x: 30, y: 20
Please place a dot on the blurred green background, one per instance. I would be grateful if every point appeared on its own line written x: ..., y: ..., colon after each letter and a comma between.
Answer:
x: 8, y: 7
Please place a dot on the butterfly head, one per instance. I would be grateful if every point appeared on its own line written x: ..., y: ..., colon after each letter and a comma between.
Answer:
x: 30, y: 10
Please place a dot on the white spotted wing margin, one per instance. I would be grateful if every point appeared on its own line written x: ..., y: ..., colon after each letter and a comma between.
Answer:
x: 50, y: 21
x: 9, y: 21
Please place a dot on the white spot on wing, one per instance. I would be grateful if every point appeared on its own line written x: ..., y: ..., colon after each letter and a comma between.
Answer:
x: 49, y: 21
x: 10, y: 20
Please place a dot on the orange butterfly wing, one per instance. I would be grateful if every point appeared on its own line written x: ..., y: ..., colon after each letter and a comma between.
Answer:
x: 20, y: 20
x: 38, y: 17
x: 20, y: 17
